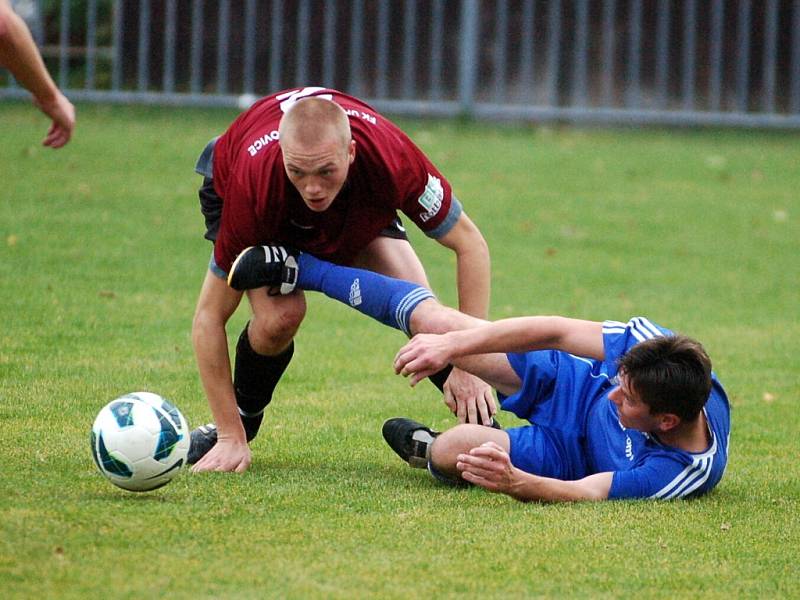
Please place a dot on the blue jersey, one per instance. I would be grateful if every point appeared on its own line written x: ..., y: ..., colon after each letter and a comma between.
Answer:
x: 576, y: 431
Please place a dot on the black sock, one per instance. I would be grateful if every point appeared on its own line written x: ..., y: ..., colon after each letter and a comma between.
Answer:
x: 254, y: 379
x: 440, y: 377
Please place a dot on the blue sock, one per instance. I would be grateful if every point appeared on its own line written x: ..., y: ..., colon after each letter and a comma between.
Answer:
x: 388, y: 300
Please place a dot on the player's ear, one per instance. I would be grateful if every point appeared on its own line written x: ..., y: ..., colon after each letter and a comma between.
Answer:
x: 668, y: 421
x: 351, y: 152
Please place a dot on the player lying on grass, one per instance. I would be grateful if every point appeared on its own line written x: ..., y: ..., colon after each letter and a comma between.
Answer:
x: 616, y: 410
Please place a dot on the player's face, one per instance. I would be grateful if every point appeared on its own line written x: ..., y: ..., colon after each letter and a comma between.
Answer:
x: 318, y: 171
x: 633, y: 413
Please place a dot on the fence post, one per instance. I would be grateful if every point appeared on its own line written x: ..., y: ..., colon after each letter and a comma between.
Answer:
x: 143, y: 49
x: 355, y: 59
x: 743, y: 57
x: 63, y: 46
x: 276, y: 45
x: 468, y: 71
x: 794, y: 84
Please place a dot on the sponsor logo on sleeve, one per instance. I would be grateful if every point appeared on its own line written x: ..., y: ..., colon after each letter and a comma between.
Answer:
x: 431, y: 198
x: 355, y: 293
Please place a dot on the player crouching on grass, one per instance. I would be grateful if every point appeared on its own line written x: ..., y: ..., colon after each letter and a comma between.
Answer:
x: 616, y: 410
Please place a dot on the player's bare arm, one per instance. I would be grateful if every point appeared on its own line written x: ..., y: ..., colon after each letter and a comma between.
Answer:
x: 18, y: 52
x: 428, y: 352
x: 216, y: 304
x: 470, y: 398
x: 473, y: 266
x: 489, y: 466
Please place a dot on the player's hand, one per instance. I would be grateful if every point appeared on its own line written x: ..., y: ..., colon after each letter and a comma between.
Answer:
x: 62, y: 112
x: 422, y: 356
x: 489, y: 466
x: 470, y: 398
x: 227, y: 455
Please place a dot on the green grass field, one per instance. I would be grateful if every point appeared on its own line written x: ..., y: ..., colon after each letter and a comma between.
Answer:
x: 101, y: 259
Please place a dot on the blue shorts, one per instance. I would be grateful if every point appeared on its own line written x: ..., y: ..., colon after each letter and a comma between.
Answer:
x: 556, y: 394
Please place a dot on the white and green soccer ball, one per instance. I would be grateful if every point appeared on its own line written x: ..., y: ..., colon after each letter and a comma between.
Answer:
x: 140, y: 441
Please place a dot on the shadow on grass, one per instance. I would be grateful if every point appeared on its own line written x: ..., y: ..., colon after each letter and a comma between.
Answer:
x: 113, y: 494
x: 368, y: 473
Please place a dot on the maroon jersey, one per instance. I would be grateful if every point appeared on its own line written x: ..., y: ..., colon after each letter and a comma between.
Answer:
x: 260, y: 205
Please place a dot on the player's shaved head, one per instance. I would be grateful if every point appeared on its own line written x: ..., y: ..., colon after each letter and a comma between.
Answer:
x: 311, y: 121
x: 317, y: 149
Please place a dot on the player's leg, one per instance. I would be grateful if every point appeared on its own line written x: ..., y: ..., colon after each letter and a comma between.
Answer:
x: 397, y: 259
x: 401, y: 304
x: 385, y: 299
x: 392, y: 255
x: 390, y: 301
x: 265, y: 346
x: 445, y: 448
x: 534, y: 449
x: 263, y: 352
x: 422, y: 447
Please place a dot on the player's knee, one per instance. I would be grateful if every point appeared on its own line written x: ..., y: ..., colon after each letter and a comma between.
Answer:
x: 460, y: 440
x: 449, y: 444
x: 270, y: 331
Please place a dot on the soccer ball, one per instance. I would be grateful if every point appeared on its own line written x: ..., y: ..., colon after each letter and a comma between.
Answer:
x: 140, y: 441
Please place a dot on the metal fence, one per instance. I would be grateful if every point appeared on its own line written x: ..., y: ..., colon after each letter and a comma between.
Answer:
x: 677, y: 62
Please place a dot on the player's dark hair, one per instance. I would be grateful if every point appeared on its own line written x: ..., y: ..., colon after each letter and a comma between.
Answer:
x: 670, y: 374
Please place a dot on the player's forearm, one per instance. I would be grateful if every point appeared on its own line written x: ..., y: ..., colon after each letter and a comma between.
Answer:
x: 545, y: 489
x: 523, y: 334
x: 518, y: 334
x: 18, y: 53
x: 473, y: 266
x: 474, y: 280
x: 211, y: 351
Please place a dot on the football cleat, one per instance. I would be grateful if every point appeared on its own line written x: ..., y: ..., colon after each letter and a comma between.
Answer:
x: 274, y: 267
x: 204, y: 438
x: 410, y: 440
